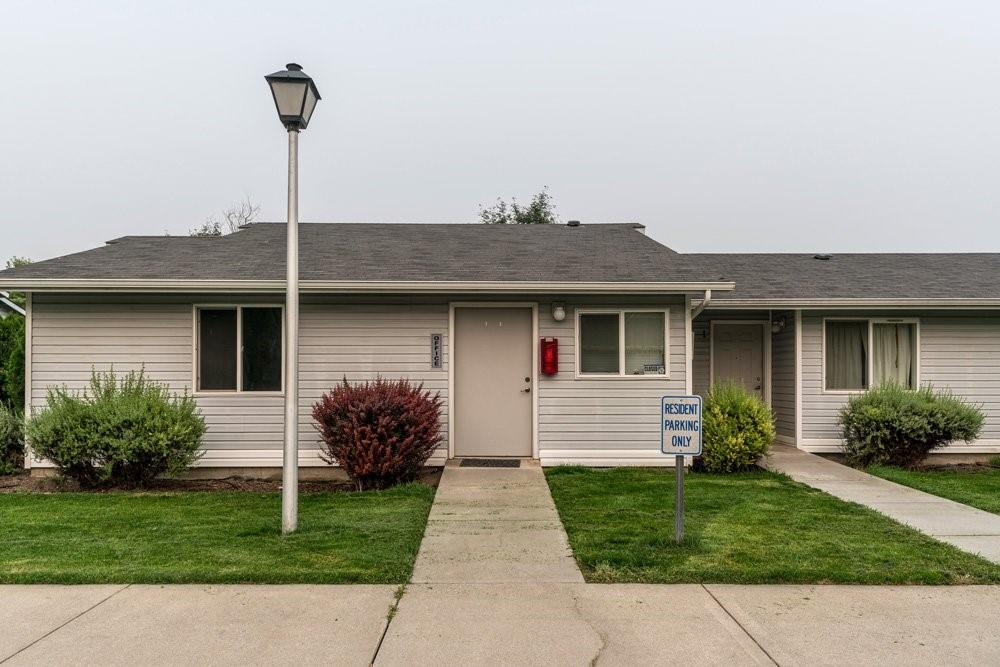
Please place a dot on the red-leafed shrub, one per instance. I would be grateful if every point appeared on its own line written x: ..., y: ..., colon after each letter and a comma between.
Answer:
x: 381, y: 433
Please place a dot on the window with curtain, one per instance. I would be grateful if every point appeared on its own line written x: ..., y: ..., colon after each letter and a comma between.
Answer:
x: 239, y: 349
x: 890, y: 355
x: 645, y: 344
x: 894, y: 353
x: 623, y: 343
x: 846, y: 355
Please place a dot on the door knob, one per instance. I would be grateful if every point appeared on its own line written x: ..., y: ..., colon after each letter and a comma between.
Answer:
x: 527, y: 390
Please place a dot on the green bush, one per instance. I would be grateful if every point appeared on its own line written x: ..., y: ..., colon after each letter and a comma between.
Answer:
x: 737, y: 429
x: 12, y: 362
x: 118, y: 433
x: 895, y: 426
x: 11, y: 441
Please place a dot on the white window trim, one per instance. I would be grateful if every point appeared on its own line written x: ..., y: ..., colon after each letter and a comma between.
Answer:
x: 870, y: 361
x: 196, y: 358
x: 621, y: 375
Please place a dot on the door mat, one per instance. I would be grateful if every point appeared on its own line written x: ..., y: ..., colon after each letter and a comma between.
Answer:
x: 490, y: 463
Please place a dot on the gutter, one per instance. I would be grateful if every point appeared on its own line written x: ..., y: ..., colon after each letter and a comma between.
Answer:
x: 834, y: 304
x: 358, y: 286
x: 707, y: 299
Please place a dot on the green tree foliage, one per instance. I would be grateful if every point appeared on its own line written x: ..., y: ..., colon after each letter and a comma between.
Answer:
x: 11, y: 441
x: 540, y: 211
x: 12, y: 263
x: 12, y: 362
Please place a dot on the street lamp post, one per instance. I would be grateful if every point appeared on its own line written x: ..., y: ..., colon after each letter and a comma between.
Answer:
x: 295, y: 97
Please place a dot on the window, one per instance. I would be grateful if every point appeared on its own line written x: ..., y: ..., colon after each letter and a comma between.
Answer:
x: 239, y: 349
x: 863, y: 353
x: 621, y: 343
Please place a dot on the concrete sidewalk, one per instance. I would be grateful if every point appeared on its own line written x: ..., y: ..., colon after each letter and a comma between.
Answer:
x: 967, y: 528
x: 492, y: 525
x: 469, y: 624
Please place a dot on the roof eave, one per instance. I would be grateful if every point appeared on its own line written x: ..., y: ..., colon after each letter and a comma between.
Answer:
x: 743, y: 304
x: 360, y: 286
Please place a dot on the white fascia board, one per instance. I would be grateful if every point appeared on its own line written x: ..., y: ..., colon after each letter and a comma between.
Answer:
x: 833, y: 304
x: 358, y: 286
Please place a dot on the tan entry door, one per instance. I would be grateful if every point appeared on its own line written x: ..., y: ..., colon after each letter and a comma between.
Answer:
x: 493, y: 381
x: 738, y: 355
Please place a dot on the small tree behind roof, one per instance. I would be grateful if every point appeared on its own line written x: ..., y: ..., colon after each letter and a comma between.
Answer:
x: 540, y: 211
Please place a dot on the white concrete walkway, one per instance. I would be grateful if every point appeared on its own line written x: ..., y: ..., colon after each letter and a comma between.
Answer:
x: 967, y: 528
x: 494, y: 525
x: 497, y: 624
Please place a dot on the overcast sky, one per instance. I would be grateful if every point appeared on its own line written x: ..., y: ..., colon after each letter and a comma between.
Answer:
x: 721, y: 126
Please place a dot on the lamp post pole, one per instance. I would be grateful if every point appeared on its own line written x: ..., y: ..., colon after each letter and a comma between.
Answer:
x: 290, y: 460
x: 295, y: 97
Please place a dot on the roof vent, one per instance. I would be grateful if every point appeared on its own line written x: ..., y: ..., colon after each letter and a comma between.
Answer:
x: 573, y: 223
x: 823, y: 257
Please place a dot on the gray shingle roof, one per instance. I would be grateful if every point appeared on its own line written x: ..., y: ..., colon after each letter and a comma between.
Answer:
x: 874, y: 276
x: 393, y: 252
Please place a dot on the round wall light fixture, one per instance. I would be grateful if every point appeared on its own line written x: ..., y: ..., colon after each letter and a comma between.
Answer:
x: 559, y: 312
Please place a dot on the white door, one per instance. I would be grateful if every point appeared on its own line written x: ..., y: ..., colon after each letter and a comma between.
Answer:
x: 493, y: 381
x: 738, y: 354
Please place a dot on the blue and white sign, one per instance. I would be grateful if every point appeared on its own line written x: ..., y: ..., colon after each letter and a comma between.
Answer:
x: 680, y: 421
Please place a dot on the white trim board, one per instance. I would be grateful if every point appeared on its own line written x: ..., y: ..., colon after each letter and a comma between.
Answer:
x: 608, y: 458
x: 834, y: 445
x: 264, y: 458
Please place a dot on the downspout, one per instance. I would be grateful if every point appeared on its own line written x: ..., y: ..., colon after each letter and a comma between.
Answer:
x: 707, y: 299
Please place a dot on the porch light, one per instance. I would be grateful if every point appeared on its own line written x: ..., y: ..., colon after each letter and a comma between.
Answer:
x: 559, y: 312
x: 295, y: 96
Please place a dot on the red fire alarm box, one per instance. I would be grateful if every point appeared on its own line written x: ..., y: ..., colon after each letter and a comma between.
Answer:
x: 550, y: 356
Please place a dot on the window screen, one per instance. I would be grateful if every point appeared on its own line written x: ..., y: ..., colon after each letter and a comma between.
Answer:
x: 217, y: 349
x: 846, y: 355
x: 645, y: 344
x: 261, y: 349
x: 599, y: 343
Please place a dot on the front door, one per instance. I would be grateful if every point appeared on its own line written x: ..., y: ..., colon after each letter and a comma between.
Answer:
x: 738, y: 355
x: 493, y: 384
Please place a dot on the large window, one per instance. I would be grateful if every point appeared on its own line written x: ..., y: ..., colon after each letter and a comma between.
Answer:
x: 239, y: 348
x: 864, y: 353
x: 622, y: 343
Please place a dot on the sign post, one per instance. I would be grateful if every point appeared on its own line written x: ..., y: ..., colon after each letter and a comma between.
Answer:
x: 680, y: 435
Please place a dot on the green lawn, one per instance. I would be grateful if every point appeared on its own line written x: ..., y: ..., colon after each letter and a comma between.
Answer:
x: 745, y: 528
x: 210, y: 537
x: 979, y: 487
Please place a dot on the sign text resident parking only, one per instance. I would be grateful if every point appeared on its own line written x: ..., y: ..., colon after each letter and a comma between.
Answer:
x: 680, y: 421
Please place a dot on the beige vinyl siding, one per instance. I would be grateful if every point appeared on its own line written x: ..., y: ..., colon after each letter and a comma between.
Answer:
x: 245, y: 429
x: 783, y: 376
x: 958, y: 351
x: 604, y: 421
x: 362, y: 342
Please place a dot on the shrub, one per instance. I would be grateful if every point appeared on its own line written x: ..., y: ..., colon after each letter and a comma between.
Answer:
x: 381, y: 433
x: 11, y: 441
x: 737, y: 429
x: 12, y: 362
x: 895, y: 426
x: 119, y: 433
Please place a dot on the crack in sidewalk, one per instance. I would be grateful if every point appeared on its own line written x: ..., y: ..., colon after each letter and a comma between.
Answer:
x: 391, y: 614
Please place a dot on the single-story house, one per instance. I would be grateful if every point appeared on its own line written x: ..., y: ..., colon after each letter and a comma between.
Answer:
x: 483, y: 314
